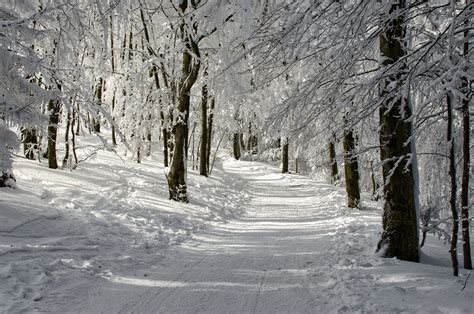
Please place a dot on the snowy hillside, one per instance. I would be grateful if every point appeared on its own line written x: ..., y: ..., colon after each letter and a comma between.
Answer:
x: 105, y: 238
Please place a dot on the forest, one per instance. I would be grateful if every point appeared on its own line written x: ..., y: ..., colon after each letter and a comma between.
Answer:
x: 373, y: 98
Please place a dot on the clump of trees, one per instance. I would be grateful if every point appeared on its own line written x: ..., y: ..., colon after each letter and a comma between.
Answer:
x: 376, y: 94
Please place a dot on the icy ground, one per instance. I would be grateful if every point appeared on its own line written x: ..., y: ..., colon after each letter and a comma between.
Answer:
x: 105, y: 239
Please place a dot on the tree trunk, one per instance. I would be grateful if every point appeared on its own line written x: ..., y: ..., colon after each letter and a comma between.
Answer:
x: 375, y: 185
x: 164, y: 132
x: 284, y: 157
x: 203, y: 170
x: 53, y: 107
x: 98, y: 96
x: 351, y: 170
x: 177, y: 175
x: 467, y: 96
x: 66, y: 139
x: 78, y: 121
x: 30, y: 142
x: 73, y: 137
x: 400, y: 226
x: 236, y: 145
x: 209, y: 133
x: 112, y: 60
x: 452, y: 196
x: 114, y: 137
x: 333, y: 162
x: 249, y: 139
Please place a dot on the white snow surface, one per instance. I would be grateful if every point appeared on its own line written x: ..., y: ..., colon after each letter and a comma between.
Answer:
x: 105, y: 239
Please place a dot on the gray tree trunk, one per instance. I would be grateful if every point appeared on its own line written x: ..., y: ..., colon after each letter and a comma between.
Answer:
x: 400, y: 226
x: 189, y: 73
x: 466, y: 154
x: 54, y: 108
x: 333, y: 162
x: 284, y: 168
x: 209, y: 133
x: 351, y: 170
x: 30, y: 143
x: 98, y: 99
x: 203, y: 170
x: 236, y: 145
x: 452, y: 197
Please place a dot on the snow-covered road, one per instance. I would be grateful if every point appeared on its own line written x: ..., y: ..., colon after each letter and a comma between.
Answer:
x: 289, y: 245
x: 285, y: 254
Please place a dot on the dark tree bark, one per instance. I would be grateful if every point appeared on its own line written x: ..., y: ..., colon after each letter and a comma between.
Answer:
x: 112, y: 57
x: 203, y: 162
x: 78, y: 121
x: 73, y: 137
x: 351, y: 170
x: 466, y: 154
x: 98, y: 102
x: 249, y: 139
x: 114, y: 137
x: 54, y: 108
x: 189, y: 73
x: 284, y: 157
x: 452, y: 196
x: 30, y: 142
x: 209, y: 133
x: 333, y: 161
x: 66, y: 139
x: 400, y: 233
x: 236, y: 145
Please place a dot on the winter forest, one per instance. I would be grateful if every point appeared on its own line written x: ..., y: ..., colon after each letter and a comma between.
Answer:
x: 236, y: 156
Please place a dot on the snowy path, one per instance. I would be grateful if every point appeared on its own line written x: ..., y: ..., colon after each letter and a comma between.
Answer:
x: 295, y: 248
x: 263, y: 261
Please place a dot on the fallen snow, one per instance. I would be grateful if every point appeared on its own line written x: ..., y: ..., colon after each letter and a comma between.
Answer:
x: 105, y: 238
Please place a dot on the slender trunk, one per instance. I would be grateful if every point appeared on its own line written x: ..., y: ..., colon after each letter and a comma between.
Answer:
x: 284, y: 157
x: 66, y: 139
x: 236, y: 145
x: 351, y: 170
x: 375, y: 185
x: 112, y: 57
x: 249, y: 139
x: 78, y: 121
x: 333, y: 162
x: 89, y: 123
x: 400, y: 226
x: 98, y: 96
x: 73, y: 137
x: 452, y: 198
x: 192, y: 152
x: 209, y: 133
x: 53, y: 107
x: 466, y: 155
x: 154, y: 73
x: 164, y: 132
x: 203, y: 150
x: 114, y: 137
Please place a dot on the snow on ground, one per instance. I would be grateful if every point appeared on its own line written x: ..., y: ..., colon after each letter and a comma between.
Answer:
x: 105, y: 238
